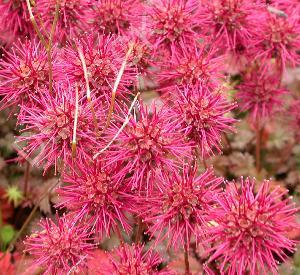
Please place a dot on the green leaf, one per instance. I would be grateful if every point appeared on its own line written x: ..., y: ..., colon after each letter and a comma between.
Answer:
x: 7, y: 232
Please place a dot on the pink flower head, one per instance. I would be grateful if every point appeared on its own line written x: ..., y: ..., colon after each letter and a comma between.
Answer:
x: 260, y: 94
x: 49, y: 127
x: 75, y: 17
x: 148, y: 146
x: 24, y: 71
x: 103, y: 56
x: 132, y: 259
x: 15, y: 19
x: 278, y: 37
x: 141, y: 56
x: 172, y: 22
x: 117, y: 16
x: 231, y: 23
x: 250, y: 229
x: 181, y: 210
x: 96, y: 192
x: 193, y: 66
x: 202, y: 115
x: 60, y: 247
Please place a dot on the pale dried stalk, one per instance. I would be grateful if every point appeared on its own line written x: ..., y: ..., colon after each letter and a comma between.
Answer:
x: 88, y: 90
x: 116, y: 85
x: 74, y: 140
x: 35, y: 26
x: 50, y: 42
x: 48, y: 46
x: 121, y: 128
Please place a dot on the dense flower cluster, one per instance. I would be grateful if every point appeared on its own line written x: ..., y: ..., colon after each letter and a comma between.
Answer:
x: 78, y: 75
x: 24, y: 70
x: 250, y: 230
x: 97, y: 192
x: 133, y: 260
x: 183, y: 209
x: 60, y: 247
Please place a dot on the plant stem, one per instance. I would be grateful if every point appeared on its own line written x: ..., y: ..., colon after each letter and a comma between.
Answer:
x: 74, y: 141
x: 35, y: 25
x: 116, y: 85
x: 139, y: 231
x: 50, y: 46
x: 186, y: 259
x: 127, y: 119
x: 258, y: 147
x: 88, y: 90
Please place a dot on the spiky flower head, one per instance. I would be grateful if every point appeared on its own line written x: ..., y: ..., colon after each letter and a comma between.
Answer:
x: 249, y: 234
x: 75, y: 17
x: 260, y: 94
x: 148, y: 146
x: 60, y: 247
x: 231, y: 23
x: 24, y: 70
x: 172, y: 23
x: 48, y: 127
x: 95, y: 191
x: 278, y: 37
x: 192, y: 66
x: 103, y: 55
x: 134, y: 260
x: 181, y: 211
x: 15, y: 20
x: 141, y: 56
x: 117, y: 16
x: 203, y: 117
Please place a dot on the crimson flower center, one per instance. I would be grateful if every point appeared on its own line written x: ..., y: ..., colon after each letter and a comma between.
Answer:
x: 183, y: 201
x: 29, y: 75
x: 171, y: 23
x: 110, y: 14
x: 96, y: 189
x: 59, y: 122
x: 147, y: 141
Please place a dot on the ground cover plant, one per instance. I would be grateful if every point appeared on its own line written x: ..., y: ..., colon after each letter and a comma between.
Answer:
x: 149, y: 137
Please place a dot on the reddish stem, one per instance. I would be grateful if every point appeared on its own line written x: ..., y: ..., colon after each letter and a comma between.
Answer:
x: 186, y: 259
x: 139, y: 231
x: 259, y: 131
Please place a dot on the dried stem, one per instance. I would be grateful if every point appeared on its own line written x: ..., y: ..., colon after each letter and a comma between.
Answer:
x: 53, y: 28
x: 35, y: 25
x: 121, y: 128
x: 88, y: 90
x: 116, y: 85
x: 74, y: 140
x: 47, y: 45
x: 186, y: 259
